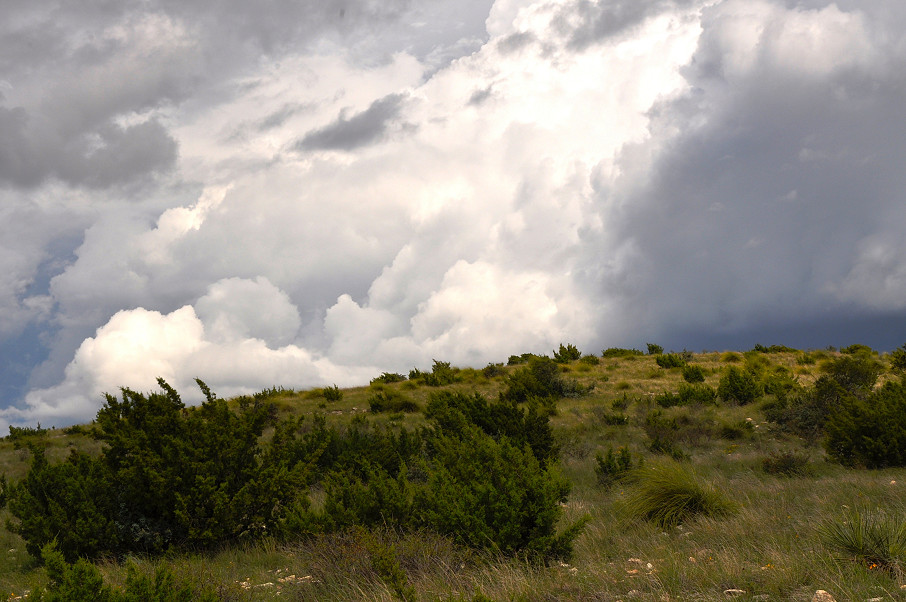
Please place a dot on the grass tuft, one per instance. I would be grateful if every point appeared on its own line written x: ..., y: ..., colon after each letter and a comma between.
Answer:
x: 668, y: 494
x: 873, y: 537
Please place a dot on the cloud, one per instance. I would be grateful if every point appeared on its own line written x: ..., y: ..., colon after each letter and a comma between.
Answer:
x: 349, y: 133
x: 765, y: 191
x: 601, y: 173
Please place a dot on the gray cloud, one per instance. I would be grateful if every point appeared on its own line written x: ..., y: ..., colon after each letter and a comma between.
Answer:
x: 769, y: 180
x: 591, y: 21
x: 361, y: 129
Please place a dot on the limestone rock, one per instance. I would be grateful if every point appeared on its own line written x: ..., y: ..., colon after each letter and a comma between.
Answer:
x: 822, y: 596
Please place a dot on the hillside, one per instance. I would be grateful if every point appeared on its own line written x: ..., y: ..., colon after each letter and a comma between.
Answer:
x: 770, y: 513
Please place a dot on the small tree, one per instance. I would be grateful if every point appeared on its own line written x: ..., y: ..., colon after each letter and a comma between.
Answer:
x: 739, y: 386
x: 567, y: 354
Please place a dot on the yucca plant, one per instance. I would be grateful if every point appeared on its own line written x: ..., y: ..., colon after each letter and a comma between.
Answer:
x: 874, y: 537
x: 669, y: 493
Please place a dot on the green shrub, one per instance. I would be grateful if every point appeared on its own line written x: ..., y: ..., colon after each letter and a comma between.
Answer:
x: 739, y: 386
x: 869, y: 431
x: 441, y: 374
x: 898, y: 358
x: 455, y: 412
x: 388, y: 378
x: 590, y: 360
x: 669, y: 494
x: 687, y: 395
x: 693, y: 374
x: 489, y: 494
x: 332, y: 393
x: 612, y: 467
x: 663, y: 434
x: 493, y: 370
x: 670, y: 360
x: 730, y: 357
x: 857, y: 374
x: 786, y: 463
x: 857, y: 349
x: 873, y: 537
x: 483, y: 493
x: 82, y: 581
x: 17, y: 433
x: 805, y: 411
x: 567, y: 354
x: 391, y: 401
x: 540, y: 379
x: 168, y: 477
x: 773, y: 349
x: 655, y: 349
x: 621, y: 352
x: 515, y: 360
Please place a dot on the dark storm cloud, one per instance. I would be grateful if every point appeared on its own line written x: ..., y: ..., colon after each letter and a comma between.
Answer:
x: 775, y: 191
x: 362, y: 129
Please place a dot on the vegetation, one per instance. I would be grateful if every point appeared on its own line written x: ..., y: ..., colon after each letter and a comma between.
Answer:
x: 613, y: 479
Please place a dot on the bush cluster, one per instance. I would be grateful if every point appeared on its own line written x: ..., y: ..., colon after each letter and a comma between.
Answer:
x: 172, y: 477
x: 738, y: 385
x: 566, y: 354
x: 621, y: 352
x: 168, y: 477
x: 670, y: 360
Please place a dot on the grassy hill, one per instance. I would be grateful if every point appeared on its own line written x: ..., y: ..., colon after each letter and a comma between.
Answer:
x: 778, y: 529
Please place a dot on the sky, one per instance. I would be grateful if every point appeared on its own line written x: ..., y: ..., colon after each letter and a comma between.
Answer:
x: 302, y: 193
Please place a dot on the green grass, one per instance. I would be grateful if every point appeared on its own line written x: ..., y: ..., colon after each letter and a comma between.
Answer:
x: 777, y: 535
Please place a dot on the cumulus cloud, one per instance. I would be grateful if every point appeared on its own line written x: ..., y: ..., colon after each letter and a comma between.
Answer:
x: 510, y: 177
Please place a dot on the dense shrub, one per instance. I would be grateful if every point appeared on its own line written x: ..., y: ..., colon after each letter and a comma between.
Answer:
x: 857, y: 374
x: 168, y: 476
x: 621, y: 352
x: 493, y: 370
x: 693, y: 374
x: 482, y: 492
x: 388, y: 378
x: 773, y: 349
x: 332, y: 393
x: 857, y: 349
x: 739, y: 386
x: 540, y: 379
x: 515, y: 360
x: 869, y: 431
x: 441, y: 374
x: 567, y: 353
x: 454, y: 412
x: 898, y: 358
x: 804, y: 412
x: 18, y: 433
x: 670, y: 360
x: 687, y: 395
x: 391, y: 401
x: 591, y: 360
x: 655, y: 349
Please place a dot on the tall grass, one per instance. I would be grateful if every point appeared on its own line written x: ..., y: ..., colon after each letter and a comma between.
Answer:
x: 669, y: 493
